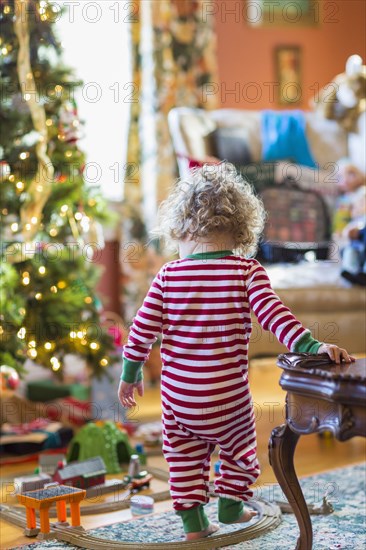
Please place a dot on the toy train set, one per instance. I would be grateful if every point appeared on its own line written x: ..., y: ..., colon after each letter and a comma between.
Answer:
x: 84, y: 477
x: 269, y: 517
x: 98, y: 449
x: 88, y: 475
x: 57, y: 484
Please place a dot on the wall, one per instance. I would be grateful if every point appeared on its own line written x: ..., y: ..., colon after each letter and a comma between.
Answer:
x: 245, y: 53
x: 108, y: 286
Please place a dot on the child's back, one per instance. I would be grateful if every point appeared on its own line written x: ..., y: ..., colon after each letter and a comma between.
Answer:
x: 201, y: 306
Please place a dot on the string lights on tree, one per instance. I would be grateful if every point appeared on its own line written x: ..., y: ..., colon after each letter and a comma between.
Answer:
x: 48, y: 213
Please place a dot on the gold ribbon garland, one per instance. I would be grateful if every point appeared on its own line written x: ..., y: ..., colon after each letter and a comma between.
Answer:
x: 40, y: 188
x: 74, y: 227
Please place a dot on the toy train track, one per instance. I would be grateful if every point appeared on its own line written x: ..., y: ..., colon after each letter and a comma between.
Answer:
x: 15, y: 516
x: 163, y: 475
x: 115, y: 506
x: 269, y: 518
x: 123, y: 503
x: 160, y: 474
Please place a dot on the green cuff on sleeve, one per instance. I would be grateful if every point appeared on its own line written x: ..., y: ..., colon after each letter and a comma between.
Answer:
x: 307, y: 344
x: 131, y: 371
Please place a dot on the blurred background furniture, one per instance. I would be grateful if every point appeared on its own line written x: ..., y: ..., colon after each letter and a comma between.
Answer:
x: 193, y: 134
x: 314, y: 291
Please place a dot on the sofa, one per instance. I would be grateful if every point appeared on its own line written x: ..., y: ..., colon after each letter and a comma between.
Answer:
x: 314, y: 291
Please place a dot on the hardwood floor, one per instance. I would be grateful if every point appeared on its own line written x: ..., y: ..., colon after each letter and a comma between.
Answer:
x: 313, y: 455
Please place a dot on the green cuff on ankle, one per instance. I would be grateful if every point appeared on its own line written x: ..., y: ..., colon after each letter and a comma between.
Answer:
x: 194, y: 519
x: 230, y: 510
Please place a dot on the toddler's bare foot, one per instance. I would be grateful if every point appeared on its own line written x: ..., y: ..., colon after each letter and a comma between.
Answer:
x: 247, y: 515
x: 212, y: 528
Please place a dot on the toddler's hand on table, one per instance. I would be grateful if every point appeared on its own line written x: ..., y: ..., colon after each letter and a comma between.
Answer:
x: 335, y: 353
x: 126, y: 393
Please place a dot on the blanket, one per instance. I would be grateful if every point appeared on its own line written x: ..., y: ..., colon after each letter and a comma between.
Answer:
x: 284, y: 138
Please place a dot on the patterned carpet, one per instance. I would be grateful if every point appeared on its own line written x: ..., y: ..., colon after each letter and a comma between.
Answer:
x: 344, y: 529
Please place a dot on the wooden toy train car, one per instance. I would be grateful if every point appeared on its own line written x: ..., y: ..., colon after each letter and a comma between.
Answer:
x: 138, y: 482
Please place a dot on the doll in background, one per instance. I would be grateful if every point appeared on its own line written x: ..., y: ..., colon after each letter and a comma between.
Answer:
x: 349, y: 222
x: 354, y: 256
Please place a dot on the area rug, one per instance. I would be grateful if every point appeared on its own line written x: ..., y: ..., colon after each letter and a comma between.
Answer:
x: 344, y: 529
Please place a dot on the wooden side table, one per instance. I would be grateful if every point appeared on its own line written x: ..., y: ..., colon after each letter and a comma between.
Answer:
x: 319, y: 397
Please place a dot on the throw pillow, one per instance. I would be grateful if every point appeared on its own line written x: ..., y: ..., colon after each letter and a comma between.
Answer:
x: 231, y: 144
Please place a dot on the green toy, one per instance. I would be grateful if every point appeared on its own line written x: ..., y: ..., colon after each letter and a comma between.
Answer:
x: 104, y: 439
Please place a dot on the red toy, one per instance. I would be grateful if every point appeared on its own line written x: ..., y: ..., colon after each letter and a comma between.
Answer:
x: 84, y: 474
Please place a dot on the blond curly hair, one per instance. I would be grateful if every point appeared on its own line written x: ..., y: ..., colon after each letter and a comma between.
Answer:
x: 213, y: 199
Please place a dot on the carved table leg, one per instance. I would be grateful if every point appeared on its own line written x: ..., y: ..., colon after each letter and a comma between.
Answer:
x: 282, y: 446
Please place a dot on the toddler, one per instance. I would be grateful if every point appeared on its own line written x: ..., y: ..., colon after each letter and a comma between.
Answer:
x: 201, y: 305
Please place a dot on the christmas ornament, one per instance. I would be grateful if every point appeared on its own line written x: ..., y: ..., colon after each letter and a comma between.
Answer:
x: 4, y: 170
x: 31, y: 138
x: 69, y: 125
x: 60, y: 178
x: 9, y: 378
x: 9, y: 227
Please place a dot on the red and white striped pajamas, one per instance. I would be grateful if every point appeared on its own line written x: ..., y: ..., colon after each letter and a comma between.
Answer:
x: 201, y: 305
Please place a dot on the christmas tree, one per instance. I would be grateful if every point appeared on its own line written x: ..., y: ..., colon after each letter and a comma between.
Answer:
x: 50, y: 219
